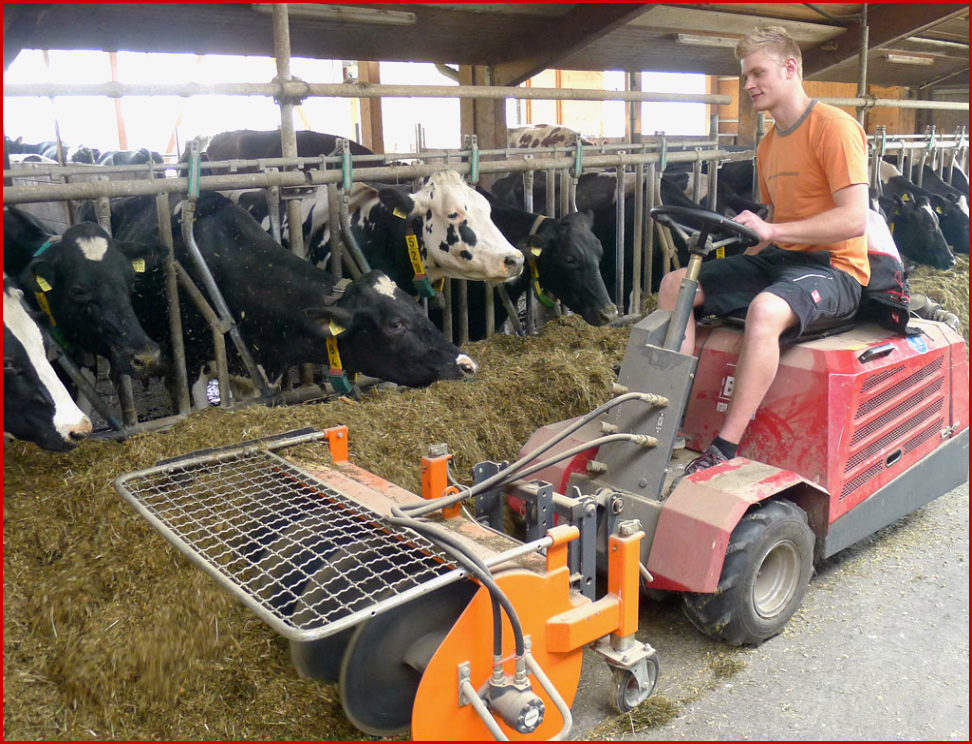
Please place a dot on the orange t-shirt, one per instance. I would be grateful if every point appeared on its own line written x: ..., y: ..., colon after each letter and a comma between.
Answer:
x: 801, y: 168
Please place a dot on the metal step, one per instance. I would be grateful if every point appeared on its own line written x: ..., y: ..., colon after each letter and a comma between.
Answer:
x: 307, y: 559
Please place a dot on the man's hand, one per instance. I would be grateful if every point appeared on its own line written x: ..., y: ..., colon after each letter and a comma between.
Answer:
x: 759, y: 226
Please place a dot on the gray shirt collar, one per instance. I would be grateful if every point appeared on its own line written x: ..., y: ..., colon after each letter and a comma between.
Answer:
x: 803, y: 118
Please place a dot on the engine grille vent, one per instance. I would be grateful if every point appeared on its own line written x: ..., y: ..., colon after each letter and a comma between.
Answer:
x: 932, y: 431
x: 860, y: 480
x: 911, y: 402
x: 898, y: 389
x: 877, y: 379
x: 893, y: 436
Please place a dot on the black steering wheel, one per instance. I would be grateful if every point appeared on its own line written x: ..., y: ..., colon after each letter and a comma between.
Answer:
x: 703, y: 222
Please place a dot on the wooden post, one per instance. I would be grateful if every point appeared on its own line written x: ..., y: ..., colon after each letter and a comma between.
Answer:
x: 747, y: 118
x: 484, y: 118
x: 372, y: 133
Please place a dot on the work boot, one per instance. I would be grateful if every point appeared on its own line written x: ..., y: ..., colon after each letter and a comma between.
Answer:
x: 711, y: 457
x: 925, y: 307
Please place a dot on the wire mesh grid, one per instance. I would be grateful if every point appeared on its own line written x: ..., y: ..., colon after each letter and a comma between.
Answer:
x: 307, y: 559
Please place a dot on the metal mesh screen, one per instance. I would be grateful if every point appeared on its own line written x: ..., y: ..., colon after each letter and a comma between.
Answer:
x: 300, y: 554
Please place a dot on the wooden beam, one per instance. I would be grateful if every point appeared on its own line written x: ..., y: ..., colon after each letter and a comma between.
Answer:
x: 549, y: 40
x: 372, y: 132
x: 20, y: 20
x: 887, y: 23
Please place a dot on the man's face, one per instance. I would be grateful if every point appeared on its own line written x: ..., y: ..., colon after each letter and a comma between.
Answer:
x: 765, y: 79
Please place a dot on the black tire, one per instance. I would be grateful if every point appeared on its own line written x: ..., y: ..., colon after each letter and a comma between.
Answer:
x: 764, y: 578
x: 628, y: 694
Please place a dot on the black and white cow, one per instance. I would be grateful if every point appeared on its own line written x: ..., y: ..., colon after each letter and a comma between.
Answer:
x: 83, y: 281
x: 950, y: 206
x: 916, y: 230
x: 36, y: 406
x: 130, y: 157
x: 544, y: 135
x: 450, y: 219
x: 286, y: 308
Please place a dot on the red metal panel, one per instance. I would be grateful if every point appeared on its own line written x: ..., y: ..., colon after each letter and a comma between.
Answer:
x: 695, y: 523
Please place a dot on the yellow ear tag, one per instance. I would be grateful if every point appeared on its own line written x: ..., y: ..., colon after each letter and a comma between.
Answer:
x: 335, y: 328
x: 905, y: 197
x: 139, y: 265
x: 42, y: 283
x: 399, y: 213
x: 536, y: 250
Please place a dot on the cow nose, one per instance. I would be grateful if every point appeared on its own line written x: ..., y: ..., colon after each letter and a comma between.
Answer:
x: 80, y: 431
x: 146, y: 359
x: 606, y: 314
x: 514, y: 265
x: 467, y: 365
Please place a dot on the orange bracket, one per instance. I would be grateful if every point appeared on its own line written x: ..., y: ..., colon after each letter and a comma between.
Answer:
x: 337, y: 443
x: 435, y: 482
x: 616, y: 612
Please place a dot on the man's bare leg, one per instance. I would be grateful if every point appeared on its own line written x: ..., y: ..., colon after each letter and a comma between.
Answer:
x: 767, y: 318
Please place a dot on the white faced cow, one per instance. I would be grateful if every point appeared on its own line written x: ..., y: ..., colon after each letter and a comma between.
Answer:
x: 37, y: 407
x: 451, y: 221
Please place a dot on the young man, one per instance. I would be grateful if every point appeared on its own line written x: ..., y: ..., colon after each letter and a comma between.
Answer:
x: 812, y: 261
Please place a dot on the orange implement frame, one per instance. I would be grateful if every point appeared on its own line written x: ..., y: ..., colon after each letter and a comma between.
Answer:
x: 559, y: 622
x: 435, y: 482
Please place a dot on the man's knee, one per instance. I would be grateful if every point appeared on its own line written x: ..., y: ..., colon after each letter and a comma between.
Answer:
x: 668, y: 289
x: 770, y: 314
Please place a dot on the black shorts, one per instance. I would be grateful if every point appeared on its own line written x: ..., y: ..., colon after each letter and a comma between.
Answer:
x: 806, y: 281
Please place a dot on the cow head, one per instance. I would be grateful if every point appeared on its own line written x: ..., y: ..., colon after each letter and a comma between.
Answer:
x: 383, y: 333
x: 84, y: 280
x: 568, y: 258
x: 459, y: 239
x: 37, y: 407
x: 915, y: 228
x: 953, y: 217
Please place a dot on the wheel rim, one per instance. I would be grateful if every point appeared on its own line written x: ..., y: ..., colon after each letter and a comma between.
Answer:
x: 776, y: 580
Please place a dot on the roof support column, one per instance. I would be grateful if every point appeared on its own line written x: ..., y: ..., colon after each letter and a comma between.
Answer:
x: 484, y: 118
x: 288, y: 136
x: 372, y: 132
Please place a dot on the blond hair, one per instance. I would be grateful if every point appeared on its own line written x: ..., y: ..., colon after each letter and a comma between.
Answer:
x: 775, y: 41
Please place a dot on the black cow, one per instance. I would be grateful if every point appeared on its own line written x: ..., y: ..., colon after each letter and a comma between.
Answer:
x: 286, y: 308
x: 48, y: 149
x: 83, y: 281
x: 950, y: 206
x: 141, y: 156
x: 36, y: 406
x: 247, y: 144
x: 916, y: 231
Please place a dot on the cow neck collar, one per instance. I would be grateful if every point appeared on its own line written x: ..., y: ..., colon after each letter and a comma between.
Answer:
x: 532, y: 253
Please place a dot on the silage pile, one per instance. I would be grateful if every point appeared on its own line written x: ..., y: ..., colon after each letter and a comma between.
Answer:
x: 110, y: 633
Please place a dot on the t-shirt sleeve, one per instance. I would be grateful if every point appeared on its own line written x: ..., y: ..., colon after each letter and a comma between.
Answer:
x: 843, y: 154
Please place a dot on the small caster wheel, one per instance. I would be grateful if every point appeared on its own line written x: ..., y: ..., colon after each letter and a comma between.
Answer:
x: 629, y: 692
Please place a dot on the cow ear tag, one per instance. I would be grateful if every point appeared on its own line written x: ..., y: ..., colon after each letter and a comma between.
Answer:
x: 335, y: 373
x: 336, y: 329
x: 905, y: 197
x: 139, y: 265
x: 399, y: 213
x: 42, y: 283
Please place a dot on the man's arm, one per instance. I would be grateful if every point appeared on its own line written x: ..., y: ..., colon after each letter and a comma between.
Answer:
x: 847, y: 219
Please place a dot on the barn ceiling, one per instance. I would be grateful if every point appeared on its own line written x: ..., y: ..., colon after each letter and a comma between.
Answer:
x: 520, y: 39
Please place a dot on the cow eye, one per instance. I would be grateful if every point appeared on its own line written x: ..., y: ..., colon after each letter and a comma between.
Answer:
x: 10, y: 367
x: 396, y: 324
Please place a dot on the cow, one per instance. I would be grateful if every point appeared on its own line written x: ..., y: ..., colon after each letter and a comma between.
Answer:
x: 48, y: 149
x: 286, y: 308
x: 950, y: 206
x: 141, y: 156
x: 916, y: 231
x: 451, y: 222
x: 544, y: 135
x: 36, y: 406
x: 247, y: 144
x: 82, y: 280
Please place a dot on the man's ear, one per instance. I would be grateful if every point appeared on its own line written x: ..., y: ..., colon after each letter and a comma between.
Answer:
x: 331, y: 321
